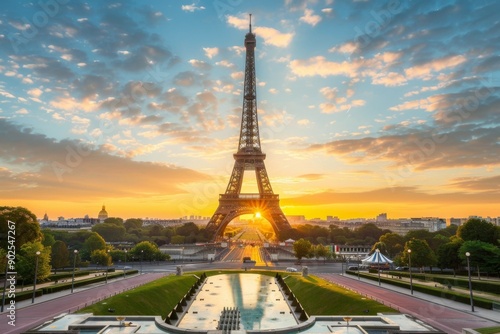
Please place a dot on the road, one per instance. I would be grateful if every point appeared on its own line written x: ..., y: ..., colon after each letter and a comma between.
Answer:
x: 237, y: 253
x: 433, y: 310
x: 34, y: 315
x: 440, y: 316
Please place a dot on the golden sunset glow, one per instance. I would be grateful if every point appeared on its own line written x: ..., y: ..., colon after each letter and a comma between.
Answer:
x: 140, y: 108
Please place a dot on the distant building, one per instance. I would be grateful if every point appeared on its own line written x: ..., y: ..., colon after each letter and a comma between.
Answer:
x: 103, y: 214
x: 352, y: 252
x: 458, y: 221
x: 382, y: 217
x: 71, y: 223
x: 296, y: 219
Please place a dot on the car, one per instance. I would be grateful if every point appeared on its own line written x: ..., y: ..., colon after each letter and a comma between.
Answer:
x: 127, y: 268
x: 291, y: 269
x: 401, y: 268
x: 353, y: 268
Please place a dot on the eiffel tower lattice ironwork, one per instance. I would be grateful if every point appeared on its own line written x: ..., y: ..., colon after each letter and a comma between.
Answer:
x: 249, y: 157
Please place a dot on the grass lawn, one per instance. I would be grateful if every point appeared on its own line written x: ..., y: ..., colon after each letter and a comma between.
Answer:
x: 317, y: 296
x: 320, y: 297
x: 155, y: 298
x: 488, y: 330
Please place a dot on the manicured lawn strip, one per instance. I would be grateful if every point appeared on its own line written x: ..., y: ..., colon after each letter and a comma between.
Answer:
x: 488, y: 330
x: 488, y: 286
x: 458, y: 296
x: 155, y: 298
x: 66, y: 286
x: 320, y: 297
x: 317, y: 296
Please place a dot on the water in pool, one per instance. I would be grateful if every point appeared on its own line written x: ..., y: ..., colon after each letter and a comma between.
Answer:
x: 258, y: 297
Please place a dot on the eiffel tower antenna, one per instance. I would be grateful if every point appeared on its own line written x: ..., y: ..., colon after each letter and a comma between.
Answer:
x: 249, y: 156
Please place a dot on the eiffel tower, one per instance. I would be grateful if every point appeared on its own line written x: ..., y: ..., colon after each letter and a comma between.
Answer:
x: 249, y: 157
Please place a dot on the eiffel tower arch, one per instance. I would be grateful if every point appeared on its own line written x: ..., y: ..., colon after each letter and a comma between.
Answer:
x: 249, y: 157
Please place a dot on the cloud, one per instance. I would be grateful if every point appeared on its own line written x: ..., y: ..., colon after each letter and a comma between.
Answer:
x: 389, y: 79
x: 211, y: 52
x: 191, y: 8
x: 390, y: 196
x: 271, y: 36
x: 490, y: 183
x: 329, y: 93
x: 310, y: 18
x: 57, y: 170
x: 320, y: 66
x: 187, y: 78
x: 417, y: 150
x: 274, y: 37
x: 35, y: 92
x: 199, y: 64
x: 72, y: 104
x: 311, y: 177
x: 423, y: 71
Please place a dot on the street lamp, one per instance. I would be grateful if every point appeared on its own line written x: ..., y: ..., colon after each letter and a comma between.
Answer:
x: 409, y: 268
x: 34, y: 283
x: 378, y: 261
x: 359, y: 265
x: 467, y: 254
x: 74, y: 263
x: 125, y: 263
x: 142, y: 253
x: 107, y: 265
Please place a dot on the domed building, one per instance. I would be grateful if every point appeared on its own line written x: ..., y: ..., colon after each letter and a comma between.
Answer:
x: 103, y: 214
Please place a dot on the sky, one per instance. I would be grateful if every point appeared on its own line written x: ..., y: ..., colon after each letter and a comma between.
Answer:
x: 364, y: 107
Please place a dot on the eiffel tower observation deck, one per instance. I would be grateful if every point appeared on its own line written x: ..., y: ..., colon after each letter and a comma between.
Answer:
x: 249, y: 156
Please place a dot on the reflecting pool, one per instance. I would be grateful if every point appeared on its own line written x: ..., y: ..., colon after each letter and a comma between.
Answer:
x: 258, y: 297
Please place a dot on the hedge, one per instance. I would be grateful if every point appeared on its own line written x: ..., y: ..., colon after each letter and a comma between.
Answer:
x: 65, y: 286
x: 484, y: 286
x: 439, y: 292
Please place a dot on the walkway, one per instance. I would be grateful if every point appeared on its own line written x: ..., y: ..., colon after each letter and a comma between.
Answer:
x: 447, y: 315
x: 43, y: 310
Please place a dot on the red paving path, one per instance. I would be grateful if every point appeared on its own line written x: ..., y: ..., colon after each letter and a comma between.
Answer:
x: 33, y: 315
x: 446, y: 319
x: 442, y: 317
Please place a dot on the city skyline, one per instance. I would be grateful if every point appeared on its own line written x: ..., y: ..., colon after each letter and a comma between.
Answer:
x: 364, y: 107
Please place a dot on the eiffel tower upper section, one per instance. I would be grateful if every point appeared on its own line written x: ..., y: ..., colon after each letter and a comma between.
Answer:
x: 249, y: 157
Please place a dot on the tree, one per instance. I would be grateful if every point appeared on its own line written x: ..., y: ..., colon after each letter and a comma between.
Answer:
x: 321, y: 251
x: 394, y: 243
x: 380, y: 246
x: 110, y: 231
x: 421, y: 254
x: 155, y: 230
x: 302, y: 248
x: 478, y: 229
x: 482, y: 255
x: 132, y: 223
x: 146, y: 251
x: 187, y: 229
x: 369, y: 231
x: 59, y: 255
x: 93, y: 242
x: 101, y: 256
x: 48, y: 238
x: 27, y: 227
x: 27, y: 259
x: 114, y: 221
x: 177, y: 239
x: 447, y: 255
